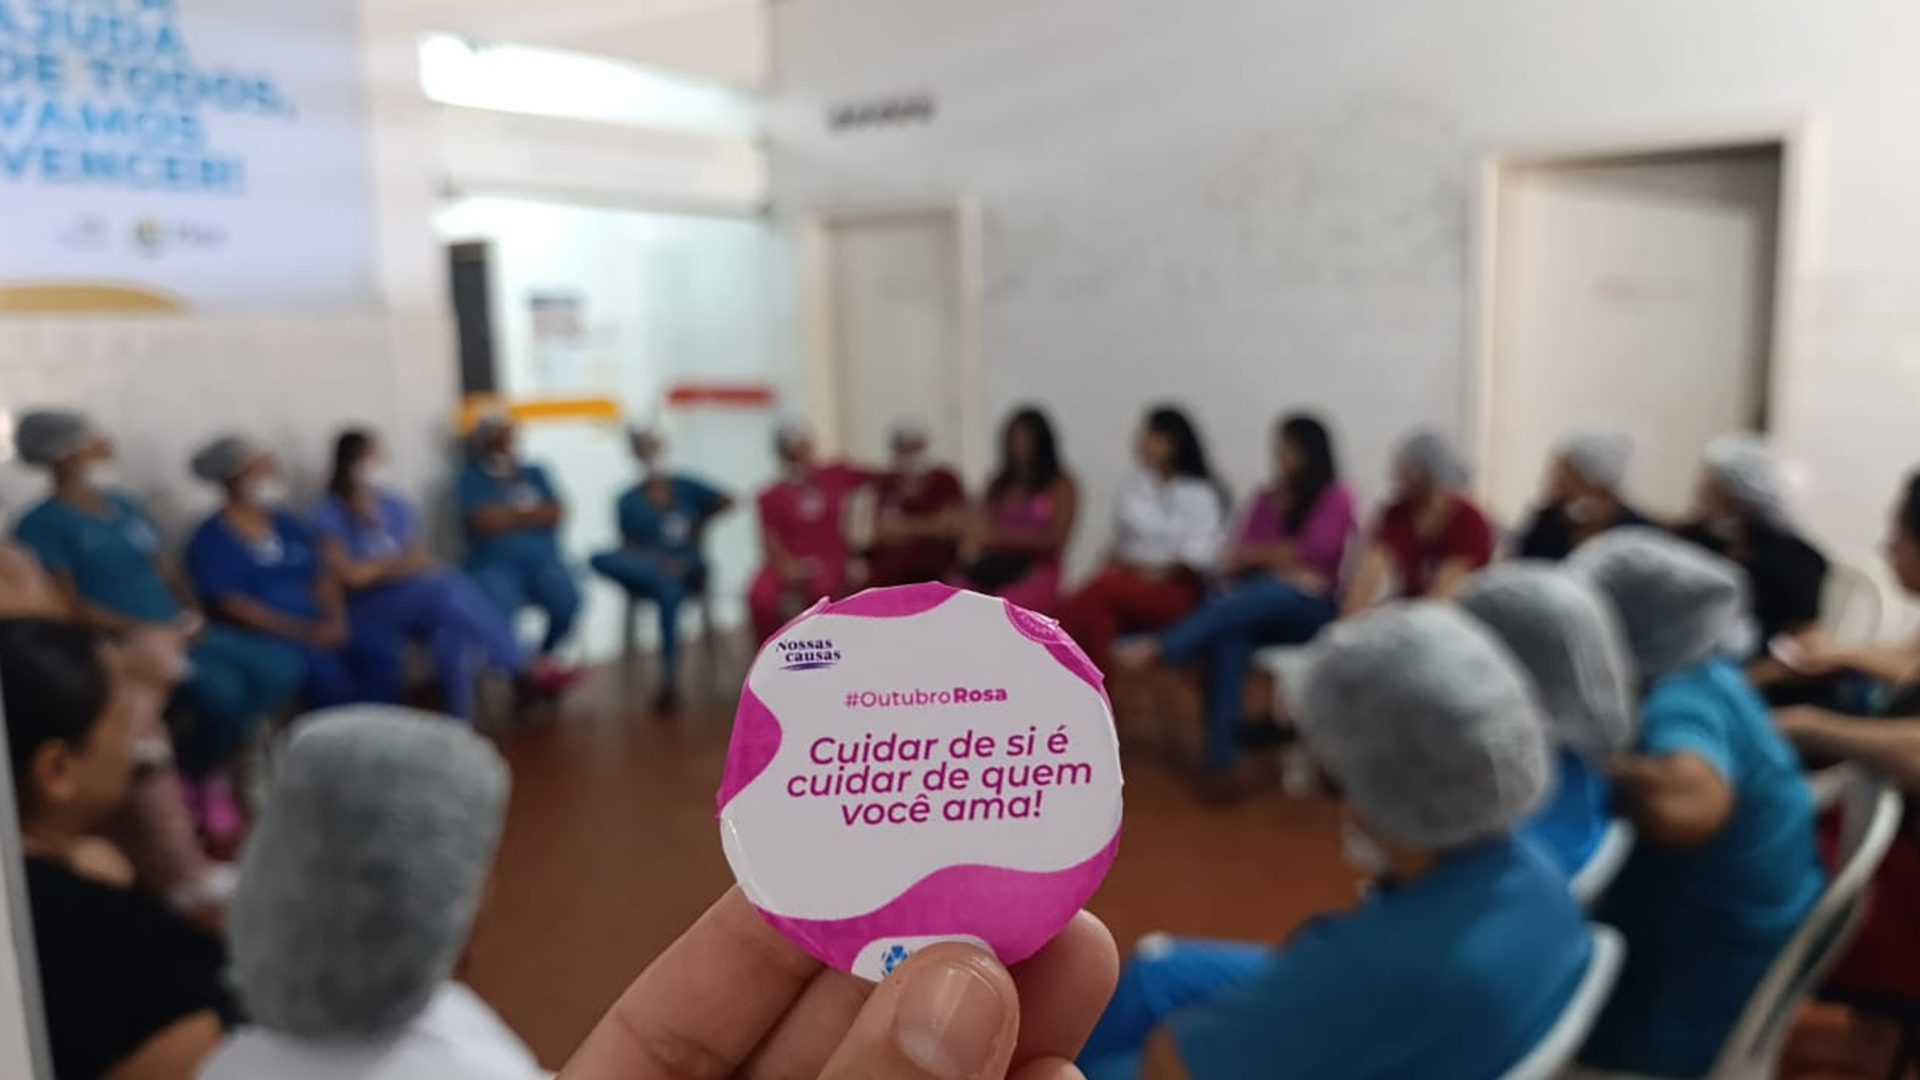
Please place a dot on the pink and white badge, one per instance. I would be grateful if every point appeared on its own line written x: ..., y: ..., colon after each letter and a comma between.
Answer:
x: 916, y: 765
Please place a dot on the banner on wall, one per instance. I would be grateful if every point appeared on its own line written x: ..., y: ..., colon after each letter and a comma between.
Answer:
x: 206, y: 155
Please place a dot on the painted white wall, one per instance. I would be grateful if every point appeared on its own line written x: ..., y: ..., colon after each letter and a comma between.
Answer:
x: 722, y: 39
x: 1258, y: 204
x: 667, y: 298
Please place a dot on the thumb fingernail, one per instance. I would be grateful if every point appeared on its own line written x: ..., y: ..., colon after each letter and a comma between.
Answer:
x: 950, y: 1021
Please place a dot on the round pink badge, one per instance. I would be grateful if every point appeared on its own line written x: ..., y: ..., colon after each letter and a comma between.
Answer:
x: 915, y: 765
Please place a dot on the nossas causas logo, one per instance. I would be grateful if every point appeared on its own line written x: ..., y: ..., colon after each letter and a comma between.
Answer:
x: 811, y: 654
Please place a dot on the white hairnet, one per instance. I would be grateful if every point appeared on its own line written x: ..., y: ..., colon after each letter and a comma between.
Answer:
x: 47, y: 436
x: 788, y: 433
x: 1432, y: 456
x: 226, y: 457
x: 1427, y: 724
x: 1744, y: 469
x: 1569, y: 640
x: 359, y: 886
x: 1680, y: 604
x: 1602, y: 458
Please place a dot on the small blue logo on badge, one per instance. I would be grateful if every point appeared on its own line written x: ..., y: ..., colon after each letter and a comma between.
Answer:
x: 893, y: 959
x: 807, y: 655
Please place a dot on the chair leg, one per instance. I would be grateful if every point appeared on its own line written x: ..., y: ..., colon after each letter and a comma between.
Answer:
x: 710, y: 641
x: 630, y: 631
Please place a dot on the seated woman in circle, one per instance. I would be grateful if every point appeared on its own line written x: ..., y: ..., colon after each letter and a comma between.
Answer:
x: 1583, y: 497
x: 1019, y: 533
x: 803, y: 532
x: 1431, y: 536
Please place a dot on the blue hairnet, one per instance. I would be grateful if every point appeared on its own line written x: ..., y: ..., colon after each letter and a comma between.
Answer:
x: 225, y: 458
x: 1602, y: 458
x: 1680, y: 604
x: 1745, y: 470
x: 1427, y: 724
x: 1432, y: 456
x: 47, y: 436
x: 1569, y: 640
x: 359, y: 886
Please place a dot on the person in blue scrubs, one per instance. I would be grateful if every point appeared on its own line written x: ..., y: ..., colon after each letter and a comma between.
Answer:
x: 258, y: 567
x: 511, y: 514
x: 1568, y: 639
x: 1726, y: 868
x: 372, y: 541
x: 662, y: 521
x: 1467, y: 947
x: 104, y: 553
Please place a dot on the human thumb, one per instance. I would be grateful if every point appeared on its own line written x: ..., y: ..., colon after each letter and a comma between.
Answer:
x: 949, y: 1013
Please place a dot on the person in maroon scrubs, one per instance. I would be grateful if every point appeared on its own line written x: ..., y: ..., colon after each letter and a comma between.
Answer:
x: 920, y: 511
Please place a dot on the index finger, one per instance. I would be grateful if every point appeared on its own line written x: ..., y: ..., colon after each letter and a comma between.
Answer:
x: 701, y: 1008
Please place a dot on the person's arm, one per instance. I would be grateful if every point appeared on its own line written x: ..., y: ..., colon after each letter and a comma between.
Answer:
x: 355, y: 574
x: 1891, y: 664
x: 100, y: 618
x: 1451, y: 575
x: 1679, y: 800
x: 1888, y: 747
x: 1364, y: 591
x: 174, y: 1053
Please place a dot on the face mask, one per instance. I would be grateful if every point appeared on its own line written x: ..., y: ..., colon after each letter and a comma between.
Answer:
x: 498, y: 462
x: 657, y: 465
x: 910, y: 464
x: 1585, y: 510
x: 267, y: 493
x: 1360, y: 851
x: 371, y: 474
x: 103, y: 474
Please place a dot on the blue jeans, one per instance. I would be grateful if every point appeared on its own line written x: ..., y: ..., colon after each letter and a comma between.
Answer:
x: 644, y: 575
x: 544, y: 583
x: 448, y: 614
x: 1158, y: 981
x: 1229, y: 628
x: 239, y: 679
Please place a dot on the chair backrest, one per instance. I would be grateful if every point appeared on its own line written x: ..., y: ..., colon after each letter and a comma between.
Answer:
x: 1591, y: 883
x: 1870, y: 816
x: 1852, y: 606
x: 1550, y: 1058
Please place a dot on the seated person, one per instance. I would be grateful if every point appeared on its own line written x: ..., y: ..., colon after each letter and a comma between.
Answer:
x: 1741, y: 513
x: 1884, y: 960
x: 1282, y: 573
x: 258, y: 567
x: 1583, y: 497
x: 1570, y: 642
x: 511, y: 514
x: 360, y: 985
x: 1725, y: 868
x: 803, y: 531
x: 132, y: 991
x: 372, y: 541
x: 104, y: 553
x: 1468, y: 946
x: 1018, y: 535
x: 919, y: 512
x: 1431, y: 537
x: 1167, y: 525
x: 663, y: 520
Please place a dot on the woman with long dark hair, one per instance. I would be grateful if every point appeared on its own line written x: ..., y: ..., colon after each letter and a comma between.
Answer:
x: 1020, y: 531
x: 1282, y: 574
x: 1166, y: 535
x: 373, y: 544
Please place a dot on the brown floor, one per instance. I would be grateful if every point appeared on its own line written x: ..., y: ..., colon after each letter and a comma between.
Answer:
x: 611, y: 849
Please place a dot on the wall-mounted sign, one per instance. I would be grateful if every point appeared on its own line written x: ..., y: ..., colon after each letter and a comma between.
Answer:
x: 210, y: 154
x: 894, y: 111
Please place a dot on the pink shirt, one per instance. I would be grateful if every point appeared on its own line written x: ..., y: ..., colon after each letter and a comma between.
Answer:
x: 1321, y: 542
x: 808, y: 518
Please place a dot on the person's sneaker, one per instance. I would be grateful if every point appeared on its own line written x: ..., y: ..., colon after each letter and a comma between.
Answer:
x: 220, y: 815
x: 668, y: 702
x: 549, y: 680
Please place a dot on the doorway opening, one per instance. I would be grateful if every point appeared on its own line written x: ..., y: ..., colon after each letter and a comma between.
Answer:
x: 1638, y: 292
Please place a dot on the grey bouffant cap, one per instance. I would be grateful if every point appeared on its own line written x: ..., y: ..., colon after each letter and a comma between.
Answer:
x: 359, y: 886
x: 47, y: 436
x: 1429, y: 453
x: 1681, y: 605
x: 1567, y: 637
x: 225, y: 457
x: 1602, y: 458
x: 1427, y: 724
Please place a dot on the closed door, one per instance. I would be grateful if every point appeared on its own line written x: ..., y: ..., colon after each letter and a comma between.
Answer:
x: 1634, y: 294
x: 896, y: 330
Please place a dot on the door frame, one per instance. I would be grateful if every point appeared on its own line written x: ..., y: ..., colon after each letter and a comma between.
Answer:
x: 1794, y: 137
x: 822, y: 332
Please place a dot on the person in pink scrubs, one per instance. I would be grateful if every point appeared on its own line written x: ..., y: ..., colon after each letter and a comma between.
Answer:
x: 803, y: 529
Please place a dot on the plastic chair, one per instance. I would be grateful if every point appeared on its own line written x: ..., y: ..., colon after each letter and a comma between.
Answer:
x: 701, y: 602
x: 1851, y: 606
x: 1593, y: 880
x: 1551, y: 1056
x: 1870, y: 810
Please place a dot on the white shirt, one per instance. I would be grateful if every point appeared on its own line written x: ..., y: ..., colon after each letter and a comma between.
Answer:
x: 1162, y: 523
x: 457, y: 1037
